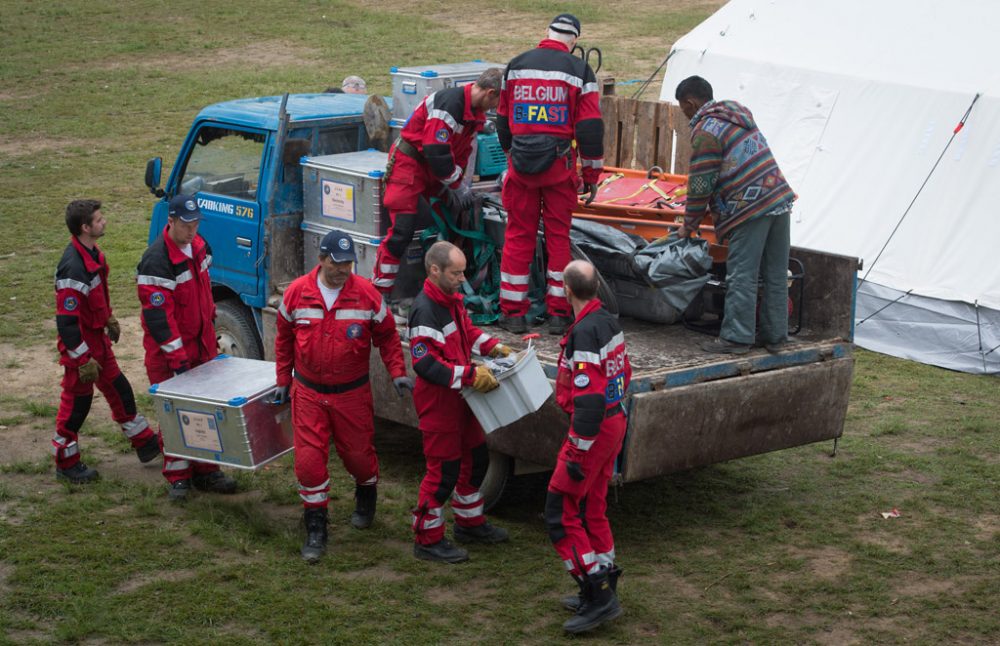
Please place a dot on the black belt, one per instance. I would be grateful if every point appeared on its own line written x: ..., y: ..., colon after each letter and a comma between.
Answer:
x: 611, y: 412
x: 409, y: 150
x: 333, y: 389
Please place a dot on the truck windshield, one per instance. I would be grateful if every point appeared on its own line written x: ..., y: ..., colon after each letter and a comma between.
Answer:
x: 224, y: 162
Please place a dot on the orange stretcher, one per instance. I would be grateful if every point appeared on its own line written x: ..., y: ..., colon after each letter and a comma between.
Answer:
x: 649, y: 204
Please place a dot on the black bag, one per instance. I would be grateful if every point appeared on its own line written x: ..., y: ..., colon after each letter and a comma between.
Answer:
x: 534, y: 154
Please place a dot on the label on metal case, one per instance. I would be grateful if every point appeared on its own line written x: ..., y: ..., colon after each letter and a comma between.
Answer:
x: 199, y: 431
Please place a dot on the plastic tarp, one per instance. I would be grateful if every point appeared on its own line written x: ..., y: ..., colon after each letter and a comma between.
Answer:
x: 652, y: 282
x: 860, y: 102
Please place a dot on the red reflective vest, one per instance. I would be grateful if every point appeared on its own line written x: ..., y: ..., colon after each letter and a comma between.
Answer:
x: 82, y: 302
x: 443, y: 128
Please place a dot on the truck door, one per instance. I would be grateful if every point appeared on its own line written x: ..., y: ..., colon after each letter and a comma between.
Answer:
x: 223, y: 170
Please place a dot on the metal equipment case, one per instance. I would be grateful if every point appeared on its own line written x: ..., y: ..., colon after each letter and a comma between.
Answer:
x: 221, y: 412
x: 411, y: 84
x: 345, y: 191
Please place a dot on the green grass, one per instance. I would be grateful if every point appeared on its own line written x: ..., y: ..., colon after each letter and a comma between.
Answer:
x: 782, y: 548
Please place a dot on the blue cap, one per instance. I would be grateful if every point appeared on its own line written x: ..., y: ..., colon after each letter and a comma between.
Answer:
x: 184, y: 207
x: 566, y: 23
x: 339, y: 246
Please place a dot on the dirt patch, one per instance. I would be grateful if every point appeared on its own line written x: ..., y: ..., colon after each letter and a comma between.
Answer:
x: 258, y: 55
x: 376, y: 574
x: 33, y: 145
x: 987, y: 526
x: 5, y: 571
x: 667, y: 580
x: 838, y: 637
x: 912, y: 584
x: 827, y: 563
x: 461, y: 593
x: 887, y: 542
x: 785, y: 619
x: 146, y: 578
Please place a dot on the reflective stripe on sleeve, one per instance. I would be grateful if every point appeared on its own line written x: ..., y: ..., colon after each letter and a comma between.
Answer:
x: 589, y: 88
x: 78, y: 351
x: 545, y: 75
x: 173, y: 346
x: 454, y: 177
x: 75, y: 285
x: 450, y: 329
x: 477, y: 347
x: 580, y: 443
x: 429, y: 332
x: 456, y: 379
x: 156, y: 281
x: 383, y: 311
x: 284, y: 312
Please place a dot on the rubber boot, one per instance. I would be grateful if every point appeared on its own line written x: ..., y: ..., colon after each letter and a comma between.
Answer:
x: 600, y: 604
x: 315, y: 545
x: 364, y: 506
x: 574, y: 601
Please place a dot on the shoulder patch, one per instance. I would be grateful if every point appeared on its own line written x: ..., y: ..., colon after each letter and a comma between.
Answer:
x: 156, y: 299
x: 581, y: 381
x: 418, y: 350
x: 70, y: 303
x: 442, y: 135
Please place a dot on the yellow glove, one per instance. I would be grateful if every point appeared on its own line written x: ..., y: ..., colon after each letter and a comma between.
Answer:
x: 90, y: 370
x: 484, y: 381
x: 114, y: 329
x: 500, y: 350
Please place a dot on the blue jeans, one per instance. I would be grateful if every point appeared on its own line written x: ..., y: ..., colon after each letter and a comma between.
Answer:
x: 758, y: 248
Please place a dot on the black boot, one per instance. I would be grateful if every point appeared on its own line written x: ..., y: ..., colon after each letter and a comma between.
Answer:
x: 315, y: 545
x: 573, y: 602
x: 558, y: 324
x: 364, y: 506
x: 515, y: 324
x: 600, y: 604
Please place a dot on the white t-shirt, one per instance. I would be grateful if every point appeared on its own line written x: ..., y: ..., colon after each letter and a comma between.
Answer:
x: 329, y: 295
x: 186, y: 250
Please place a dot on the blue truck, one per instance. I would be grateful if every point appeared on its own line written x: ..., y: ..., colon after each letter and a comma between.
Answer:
x: 243, y: 159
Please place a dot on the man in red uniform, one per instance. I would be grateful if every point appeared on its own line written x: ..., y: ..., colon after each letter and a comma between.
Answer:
x: 177, y: 317
x: 594, y: 374
x: 549, y: 97
x: 87, y: 328
x: 328, y: 321
x: 442, y: 341
x: 427, y: 160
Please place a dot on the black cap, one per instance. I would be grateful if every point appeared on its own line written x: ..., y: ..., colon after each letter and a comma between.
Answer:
x: 566, y: 23
x: 339, y: 246
x: 184, y: 207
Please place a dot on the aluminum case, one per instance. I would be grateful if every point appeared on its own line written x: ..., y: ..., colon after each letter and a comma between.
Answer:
x: 220, y: 412
x: 411, y: 84
x: 345, y: 191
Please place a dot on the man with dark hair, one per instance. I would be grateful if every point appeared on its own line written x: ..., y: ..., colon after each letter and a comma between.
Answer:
x: 594, y: 374
x: 328, y: 321
x: 178, y: 311
x: 734, y: 175
x: 442, y: 341
x: 549, y: 98
x: 86, y: 329
x: 428, y: 160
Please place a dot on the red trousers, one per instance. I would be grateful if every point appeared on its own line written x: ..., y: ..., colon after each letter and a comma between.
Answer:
x: 74, y: 403
x: 576, y: 512
x: 408, y: 181
x: 349, y: 419
x: 457, y: 460
x: 550, y: 196
x: 175, y: 469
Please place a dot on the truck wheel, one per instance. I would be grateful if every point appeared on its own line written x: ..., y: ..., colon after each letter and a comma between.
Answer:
x: 497, y: 476
x: 235, y: 331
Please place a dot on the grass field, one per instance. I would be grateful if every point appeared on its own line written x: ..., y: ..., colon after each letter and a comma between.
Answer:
x: 783, y: 548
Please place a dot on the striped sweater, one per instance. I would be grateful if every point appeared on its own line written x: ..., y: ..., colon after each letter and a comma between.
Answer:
x: 733, y: 172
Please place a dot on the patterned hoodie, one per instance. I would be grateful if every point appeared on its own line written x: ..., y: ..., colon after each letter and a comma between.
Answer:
x: 733, y: 172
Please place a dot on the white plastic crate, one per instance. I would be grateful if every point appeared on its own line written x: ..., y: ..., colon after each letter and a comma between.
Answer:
x: 523, y: 389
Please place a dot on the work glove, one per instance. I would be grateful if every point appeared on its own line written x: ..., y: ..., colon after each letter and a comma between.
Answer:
x: 484, y: 381
x: 461, y: 198
x: 181, y: 369
x: 114, y: 329
x: 574, y: 466
x: 500, y: 350
x: 401, y: 384
x: 89, y: 371
x: 590, y: 188
x: 281, y: 395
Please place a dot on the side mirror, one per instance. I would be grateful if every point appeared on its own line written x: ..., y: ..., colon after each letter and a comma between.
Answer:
x: 154, y: 168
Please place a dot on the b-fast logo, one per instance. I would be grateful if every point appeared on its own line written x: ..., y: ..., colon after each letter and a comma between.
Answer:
x: 551, y: 113
x: 225, y: 208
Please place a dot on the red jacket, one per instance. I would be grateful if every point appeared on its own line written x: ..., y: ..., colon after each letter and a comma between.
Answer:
x: 594, y: 372
x: 177, y: 306
x: 442, y: 340
x: 550, y: 94
x: 333, y: 347
x: 442, y: 128
x: 82, y: 302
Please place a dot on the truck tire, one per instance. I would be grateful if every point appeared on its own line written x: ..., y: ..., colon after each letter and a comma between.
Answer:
x: 498, y: 474
x: 235, y: 331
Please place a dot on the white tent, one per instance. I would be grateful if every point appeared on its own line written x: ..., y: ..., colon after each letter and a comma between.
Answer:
x: 860, y: 100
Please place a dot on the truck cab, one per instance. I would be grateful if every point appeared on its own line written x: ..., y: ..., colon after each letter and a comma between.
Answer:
x: 240, y: 160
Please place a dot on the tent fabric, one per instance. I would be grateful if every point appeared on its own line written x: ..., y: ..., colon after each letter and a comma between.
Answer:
x: 858, y: 101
